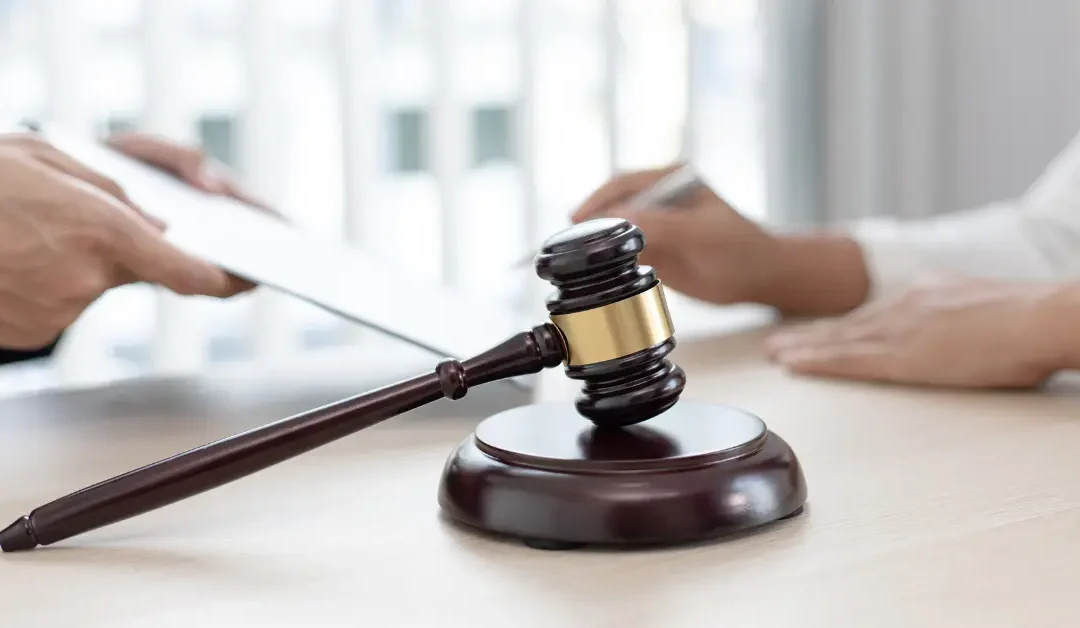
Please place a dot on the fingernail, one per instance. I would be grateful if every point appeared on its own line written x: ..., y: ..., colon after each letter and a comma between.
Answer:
x: 212, y: 184
x: 211, y: 181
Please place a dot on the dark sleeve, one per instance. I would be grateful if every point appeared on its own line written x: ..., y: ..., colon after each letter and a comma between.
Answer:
x: 12, y: 356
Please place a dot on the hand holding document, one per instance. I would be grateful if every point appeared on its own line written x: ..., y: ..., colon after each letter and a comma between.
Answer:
x: 260, y: 247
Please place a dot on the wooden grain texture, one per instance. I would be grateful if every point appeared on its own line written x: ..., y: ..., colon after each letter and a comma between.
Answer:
x: 926, y: 508
x: 212, y: 465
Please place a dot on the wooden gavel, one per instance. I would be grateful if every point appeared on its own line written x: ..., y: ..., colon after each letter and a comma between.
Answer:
x: 609, y: 326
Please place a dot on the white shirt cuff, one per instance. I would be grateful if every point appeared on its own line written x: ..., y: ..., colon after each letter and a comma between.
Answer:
x: 991, y: 241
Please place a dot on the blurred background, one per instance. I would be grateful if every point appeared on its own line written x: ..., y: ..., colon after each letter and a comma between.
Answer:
x: 449, y: 137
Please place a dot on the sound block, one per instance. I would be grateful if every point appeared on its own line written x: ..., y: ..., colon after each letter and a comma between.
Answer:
x: 547, y: 476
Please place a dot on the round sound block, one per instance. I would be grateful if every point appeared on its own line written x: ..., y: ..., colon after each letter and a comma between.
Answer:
x: 546, y: 475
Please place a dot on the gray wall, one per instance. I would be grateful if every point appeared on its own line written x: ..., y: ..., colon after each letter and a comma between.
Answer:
x: 1015, y: 93
x: 938, y: 105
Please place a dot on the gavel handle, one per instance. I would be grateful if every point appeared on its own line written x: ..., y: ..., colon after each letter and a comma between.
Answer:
x: 203, y: 468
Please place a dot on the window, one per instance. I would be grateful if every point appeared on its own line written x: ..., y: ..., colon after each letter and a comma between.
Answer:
x: 217, y: 133
x: 120, y: 124
x: 492, y: 134
x: 408, y: 141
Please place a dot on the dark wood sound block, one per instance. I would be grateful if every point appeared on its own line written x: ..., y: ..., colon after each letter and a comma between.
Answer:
x: 546, y: 475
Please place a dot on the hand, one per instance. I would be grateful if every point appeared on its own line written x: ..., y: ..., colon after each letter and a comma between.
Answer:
x: 67, y: 235
x: 972, y: 334
x: 704, y: 248
x: 188, y: 163
x: 191, y: 165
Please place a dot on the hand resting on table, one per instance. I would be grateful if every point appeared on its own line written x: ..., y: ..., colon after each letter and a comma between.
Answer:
x: 961, y: 333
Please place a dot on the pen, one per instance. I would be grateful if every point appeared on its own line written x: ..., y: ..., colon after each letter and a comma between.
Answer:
x: 664, y: 193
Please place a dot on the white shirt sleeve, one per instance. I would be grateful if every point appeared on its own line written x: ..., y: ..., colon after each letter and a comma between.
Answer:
x: 1033, y: 238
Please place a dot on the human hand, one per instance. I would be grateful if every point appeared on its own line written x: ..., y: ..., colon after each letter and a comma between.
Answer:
x: 69, y: 234
x: 704, y: 248
x: 970, y: 334
x: 700, y: 246
x: 190, y: 164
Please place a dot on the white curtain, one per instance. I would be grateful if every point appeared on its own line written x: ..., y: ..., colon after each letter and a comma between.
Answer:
x: 912, y: 108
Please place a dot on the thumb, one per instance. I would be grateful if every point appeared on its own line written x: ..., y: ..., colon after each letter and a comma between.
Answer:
x: 150, y: 258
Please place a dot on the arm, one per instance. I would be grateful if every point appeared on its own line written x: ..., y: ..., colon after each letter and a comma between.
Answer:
x: 1034, y: 238
x: 1061, y: 331
x: 707, y: 250
x: 830, y: 273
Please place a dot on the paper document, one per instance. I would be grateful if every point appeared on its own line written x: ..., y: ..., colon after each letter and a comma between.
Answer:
x: 327, y: 273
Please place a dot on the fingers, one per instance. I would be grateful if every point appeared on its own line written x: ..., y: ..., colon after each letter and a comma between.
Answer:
x: 866, y: 361
x: 190, y: 164
x: 853, y: 347
x: 234, y: 191
x: 147, y: 256
x: 618, y: 190
x: 59, y: 160
x: 821, y: 333
x: 71, y: 166
x: 63, y: 162
x: 150, y: 257
x: 182, y: 161
x: 209, y: 176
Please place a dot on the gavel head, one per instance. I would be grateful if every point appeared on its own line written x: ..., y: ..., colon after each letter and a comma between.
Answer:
x: 614, y: 321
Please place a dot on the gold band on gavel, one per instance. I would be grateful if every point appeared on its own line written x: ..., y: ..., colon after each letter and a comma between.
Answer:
x: 617, y: 329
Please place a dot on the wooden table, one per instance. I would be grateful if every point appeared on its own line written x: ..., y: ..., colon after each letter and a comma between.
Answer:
x: 926, y: 508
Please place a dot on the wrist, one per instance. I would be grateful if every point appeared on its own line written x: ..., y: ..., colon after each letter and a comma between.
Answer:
x: 815, y: 275
x: 1059, y: 326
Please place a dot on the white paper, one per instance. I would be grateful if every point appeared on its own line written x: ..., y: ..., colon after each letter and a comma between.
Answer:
x: 330, y: 274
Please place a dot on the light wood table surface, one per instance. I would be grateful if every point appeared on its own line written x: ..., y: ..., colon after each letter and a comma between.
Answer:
x: 926, y: 508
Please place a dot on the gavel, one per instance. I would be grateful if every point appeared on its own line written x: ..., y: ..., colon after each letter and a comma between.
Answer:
x: 626, y: 463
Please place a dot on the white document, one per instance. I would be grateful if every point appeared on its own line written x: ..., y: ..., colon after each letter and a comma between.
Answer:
x: 328, y: 273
